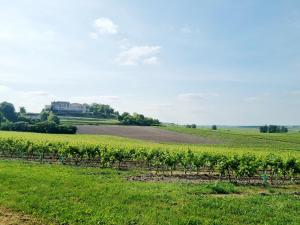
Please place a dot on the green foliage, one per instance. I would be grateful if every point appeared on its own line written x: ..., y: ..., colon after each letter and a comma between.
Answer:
x: 191, y: 126
x: 112, y: 154
x: 22, y: 110
x: 137, y: 119
x: 44, y: 115
x: 53, y: 118
x: 102, y: 111
x: 8, y: 111
x: 214, y: 127
x: 2, y: 119
x: 273, y: 129
x: 48, y: 123
x: 38, y: 127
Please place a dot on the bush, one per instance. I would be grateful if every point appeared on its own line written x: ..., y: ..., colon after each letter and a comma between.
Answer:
x: 137, y: 119
x: 39, y: 127
x: 191, y: 126
x: 273, y: 129
x: 6, y: 125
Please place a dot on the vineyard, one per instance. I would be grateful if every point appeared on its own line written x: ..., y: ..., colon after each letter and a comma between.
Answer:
x: 105, y: 151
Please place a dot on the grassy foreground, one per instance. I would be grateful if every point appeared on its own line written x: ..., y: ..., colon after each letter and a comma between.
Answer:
x: 73, y: 195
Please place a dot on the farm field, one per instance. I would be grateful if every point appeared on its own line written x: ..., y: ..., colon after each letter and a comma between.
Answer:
x: 260, y: 148
x: 109, y: 193
x: 86, y: 121
x: 243, y: 137
x: 72, y: 195
x: 145, y: 133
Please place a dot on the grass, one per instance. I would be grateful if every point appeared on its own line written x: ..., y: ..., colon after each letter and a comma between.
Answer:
x: 283, y: 149
x: 73, y: 195
x: 87, y: 121
x: 244, y: 137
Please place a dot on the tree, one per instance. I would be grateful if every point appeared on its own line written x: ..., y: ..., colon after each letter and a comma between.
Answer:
x: 44, y: 115
x: 8, y: 111
x: 101, y: 110
x: 22, y: 110
x: 214, y: 127
x: 137, y: 119
x: 1, y: 118
x: 264, y: 129
x: 53, y: 118
x: 273, y: 129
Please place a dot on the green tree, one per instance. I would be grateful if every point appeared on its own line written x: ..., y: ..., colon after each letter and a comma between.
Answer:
x: 22, y: 110
x: 8, y: 111
x: 2, y: 119
x: 44, y: 115
x: 104, y: 111
x: 53, y: 118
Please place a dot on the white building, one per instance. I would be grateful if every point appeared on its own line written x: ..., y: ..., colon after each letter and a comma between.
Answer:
x: 67, y: 107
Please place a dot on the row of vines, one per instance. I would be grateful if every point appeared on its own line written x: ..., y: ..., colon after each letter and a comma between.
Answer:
x: 233, y: 166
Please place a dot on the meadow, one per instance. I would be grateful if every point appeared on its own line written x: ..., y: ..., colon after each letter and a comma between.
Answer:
x: 58, y: 194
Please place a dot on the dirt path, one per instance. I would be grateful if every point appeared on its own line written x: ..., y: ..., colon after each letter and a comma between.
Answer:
x: 8, y: 217
x: 144, y: 133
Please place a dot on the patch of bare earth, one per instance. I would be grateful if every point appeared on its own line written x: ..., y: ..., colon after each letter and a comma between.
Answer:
x: 8, y: 217
x: 144, y: 133
x: 200, y: 178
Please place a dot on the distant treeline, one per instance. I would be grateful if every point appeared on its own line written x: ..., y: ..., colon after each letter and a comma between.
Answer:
x: 273, y: 129
x: 10, y: 120
x: 137, y: 119
x: 102, y: 111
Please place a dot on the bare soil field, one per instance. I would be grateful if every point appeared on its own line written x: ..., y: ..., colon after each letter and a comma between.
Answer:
x: 144, y: 133
x: 206, y: 178
x: 8, y: 217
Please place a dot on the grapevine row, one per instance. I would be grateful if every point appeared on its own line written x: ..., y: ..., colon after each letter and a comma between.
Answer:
x: 233, y: 166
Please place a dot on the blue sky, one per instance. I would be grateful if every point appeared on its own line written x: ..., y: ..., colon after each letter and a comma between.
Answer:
x: 204, y: 62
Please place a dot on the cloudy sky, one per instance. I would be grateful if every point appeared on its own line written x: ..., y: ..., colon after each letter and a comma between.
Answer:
x: 205, y: 62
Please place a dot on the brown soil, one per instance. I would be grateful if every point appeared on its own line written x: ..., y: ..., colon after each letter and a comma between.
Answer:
x: 201, y: 178
x: 8, y: 217
x: 144, y: 133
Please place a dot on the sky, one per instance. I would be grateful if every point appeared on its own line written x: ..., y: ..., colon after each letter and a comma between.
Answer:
x: 223, y: 62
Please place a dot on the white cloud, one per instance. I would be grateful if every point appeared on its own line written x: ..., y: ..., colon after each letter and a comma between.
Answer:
x: 196, y: 96
x: 106, y: 26
x: 124, y: 43
x: 106, y: 99
x: 151, y: 61
x: 34, y: 101
x: 94, y: 35
x: 139, y: 54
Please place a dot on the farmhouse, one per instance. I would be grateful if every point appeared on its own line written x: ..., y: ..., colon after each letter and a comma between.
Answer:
x: 60, y: 107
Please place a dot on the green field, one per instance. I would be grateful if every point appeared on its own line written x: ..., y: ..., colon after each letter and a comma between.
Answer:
x: 87, y: 121
x: 234, y: 144
x: 72, y: 195
x: 63, y: 194
x: 239, y: 137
